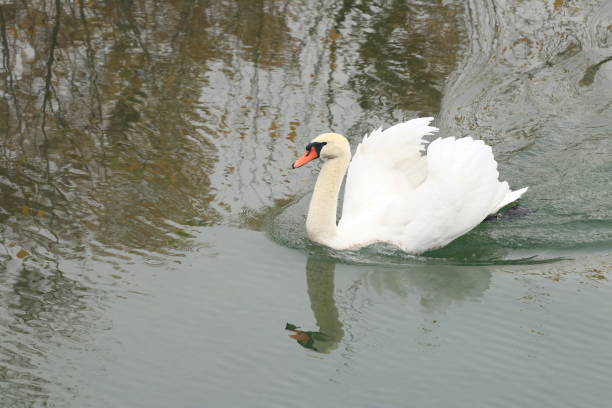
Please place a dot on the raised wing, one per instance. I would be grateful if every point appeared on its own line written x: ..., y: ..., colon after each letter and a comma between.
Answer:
x: 461, y: 189
x: 396, y: 195
x: 385, y: 163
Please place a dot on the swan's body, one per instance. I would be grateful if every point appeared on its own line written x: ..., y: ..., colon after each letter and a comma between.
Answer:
x: 395, y: 194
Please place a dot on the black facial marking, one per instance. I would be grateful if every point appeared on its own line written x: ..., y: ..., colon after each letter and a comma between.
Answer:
x: 317, y: 145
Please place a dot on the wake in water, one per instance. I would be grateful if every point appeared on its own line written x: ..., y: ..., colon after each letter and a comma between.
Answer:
x: 287, y: 228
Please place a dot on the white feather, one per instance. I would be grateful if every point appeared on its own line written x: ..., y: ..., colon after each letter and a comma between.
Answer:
x: 395, y: 194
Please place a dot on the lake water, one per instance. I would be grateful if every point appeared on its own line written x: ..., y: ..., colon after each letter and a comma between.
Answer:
x: 152, y: 248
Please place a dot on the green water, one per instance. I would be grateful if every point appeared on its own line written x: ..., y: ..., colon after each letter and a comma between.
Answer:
x: 152, y: 248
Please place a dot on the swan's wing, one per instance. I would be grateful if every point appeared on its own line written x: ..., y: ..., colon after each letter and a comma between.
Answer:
x: 470, y: 164
x: 460, y: 189
x: 385, y: 163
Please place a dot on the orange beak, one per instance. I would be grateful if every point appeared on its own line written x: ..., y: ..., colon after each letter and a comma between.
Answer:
x: 310, y: 155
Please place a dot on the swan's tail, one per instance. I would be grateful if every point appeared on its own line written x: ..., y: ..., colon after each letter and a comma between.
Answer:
x: 511, y: 196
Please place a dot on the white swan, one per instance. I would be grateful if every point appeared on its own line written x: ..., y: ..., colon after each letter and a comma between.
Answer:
x: 395, y: 194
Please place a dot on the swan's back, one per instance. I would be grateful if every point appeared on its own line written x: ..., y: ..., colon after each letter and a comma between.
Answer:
x: 394, y: 194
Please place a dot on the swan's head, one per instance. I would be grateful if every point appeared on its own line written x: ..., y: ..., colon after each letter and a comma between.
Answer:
x: 326, y: 146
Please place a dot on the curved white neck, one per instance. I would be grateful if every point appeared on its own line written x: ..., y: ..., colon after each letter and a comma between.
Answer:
x: 321, y: 220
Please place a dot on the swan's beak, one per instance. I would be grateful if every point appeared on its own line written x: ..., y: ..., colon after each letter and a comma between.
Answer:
x: 308, y: 156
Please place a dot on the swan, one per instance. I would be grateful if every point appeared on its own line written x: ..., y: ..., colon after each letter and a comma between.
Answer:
x: 396, y: 195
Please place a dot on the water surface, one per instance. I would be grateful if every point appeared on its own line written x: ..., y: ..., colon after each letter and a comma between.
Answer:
x: 152, y: 246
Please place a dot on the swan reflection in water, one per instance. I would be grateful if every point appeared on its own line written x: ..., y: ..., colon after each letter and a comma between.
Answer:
x: 320, y: 280
x: 438, y: 287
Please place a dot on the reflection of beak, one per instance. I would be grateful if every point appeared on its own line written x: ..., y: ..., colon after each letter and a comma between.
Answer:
x: 300, y: 336
x: 308, y: 156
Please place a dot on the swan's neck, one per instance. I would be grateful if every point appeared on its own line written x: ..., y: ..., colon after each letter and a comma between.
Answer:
x: 321, y: 220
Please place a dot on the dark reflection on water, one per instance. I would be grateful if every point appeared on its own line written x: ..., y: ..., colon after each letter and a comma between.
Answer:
x: 100, y: 131
x: 123, y: 121
x: 406, y: 54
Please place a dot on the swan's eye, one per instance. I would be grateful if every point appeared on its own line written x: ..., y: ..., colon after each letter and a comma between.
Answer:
x: 317, y: 146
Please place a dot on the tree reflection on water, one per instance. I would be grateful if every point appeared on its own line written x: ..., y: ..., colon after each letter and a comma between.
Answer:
x: 122, y: 121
